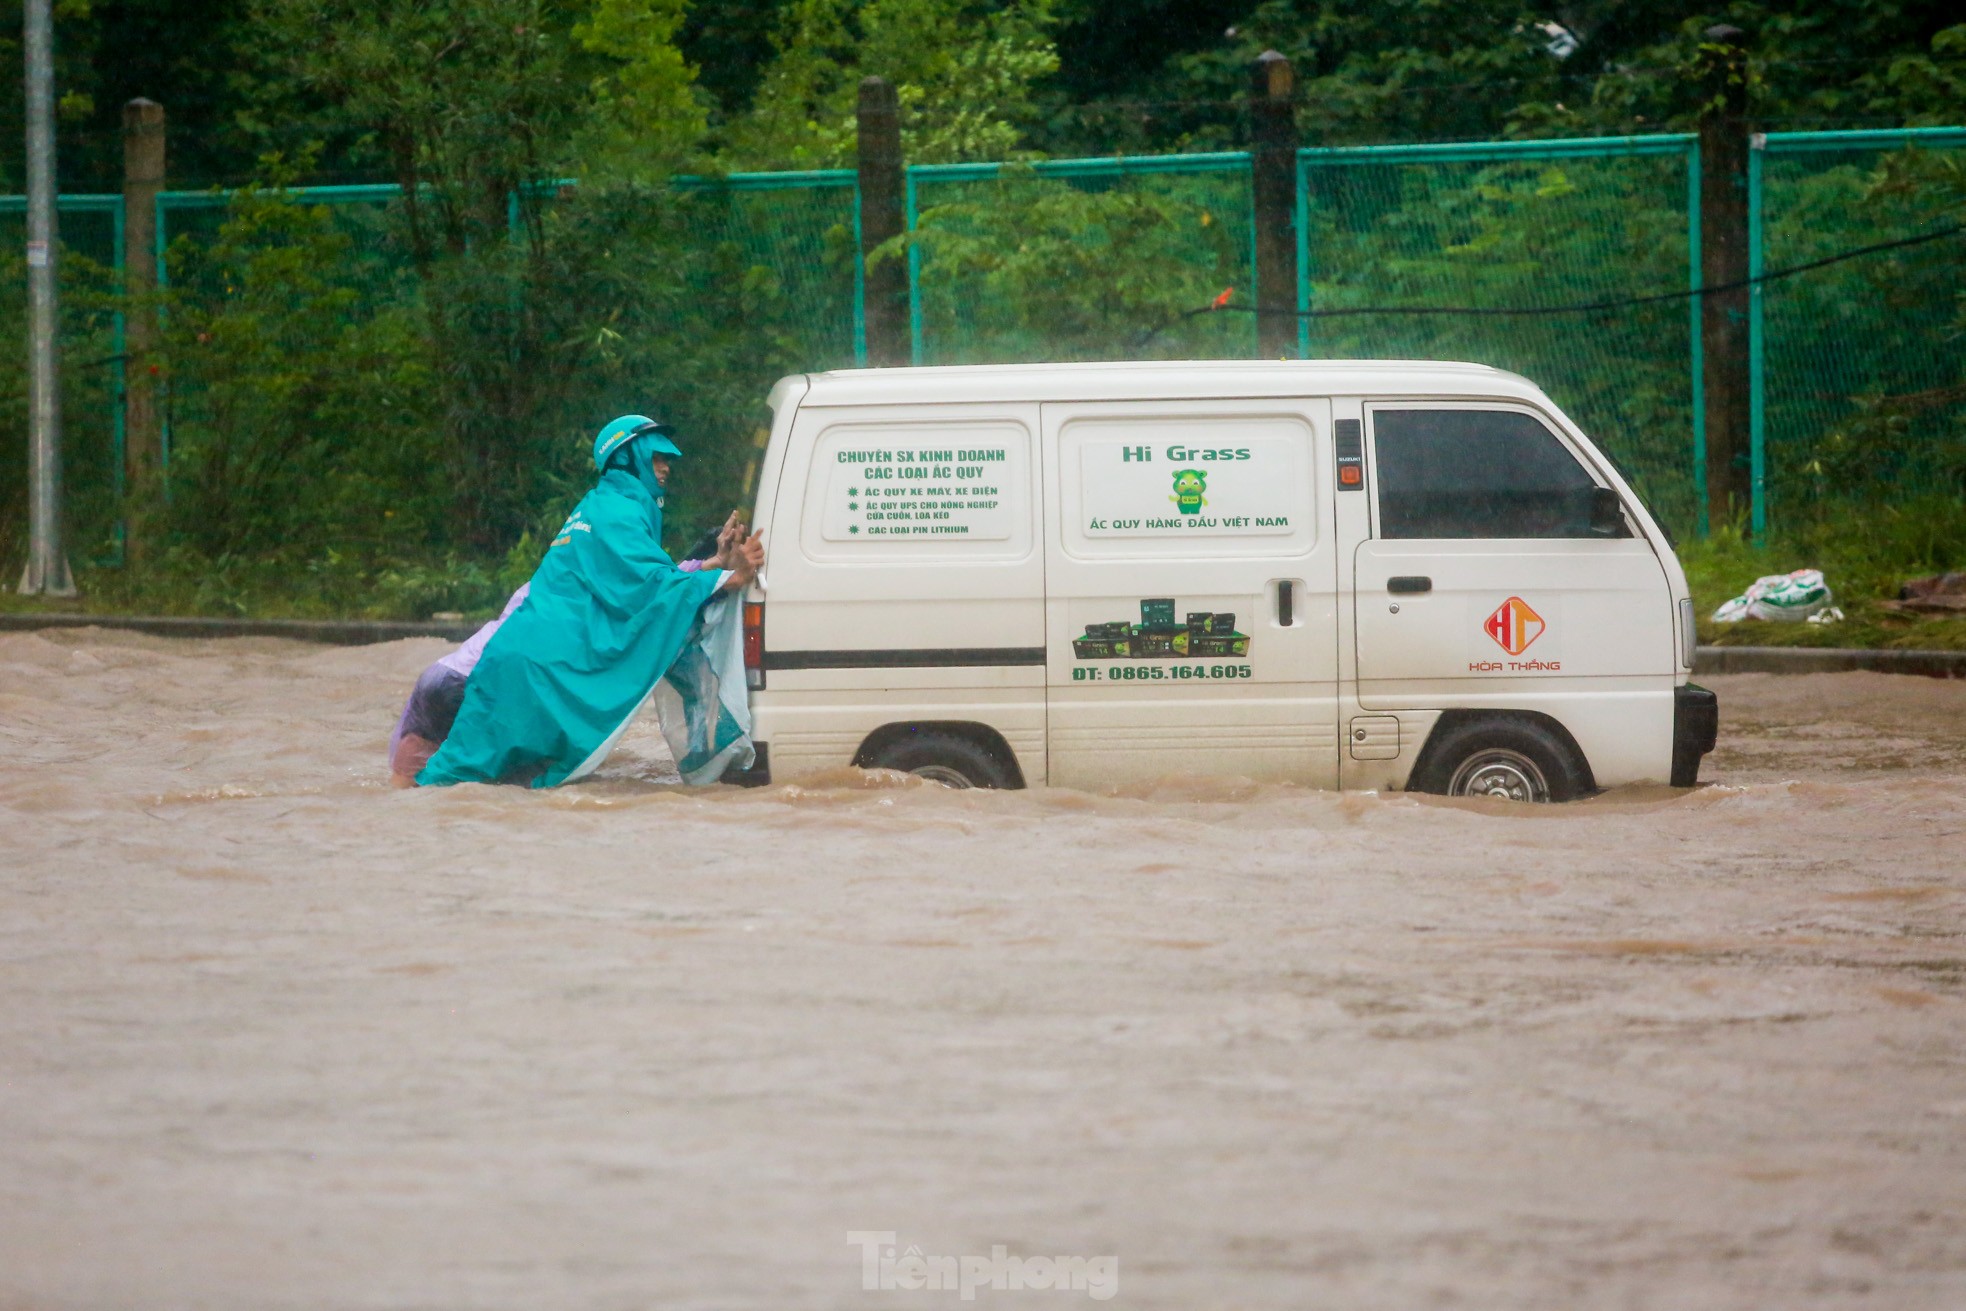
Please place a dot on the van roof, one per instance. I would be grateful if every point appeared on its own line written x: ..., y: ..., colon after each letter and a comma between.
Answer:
x: 1162, y: 380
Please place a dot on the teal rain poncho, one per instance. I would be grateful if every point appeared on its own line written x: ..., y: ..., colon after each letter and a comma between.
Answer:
x: 608, y: 615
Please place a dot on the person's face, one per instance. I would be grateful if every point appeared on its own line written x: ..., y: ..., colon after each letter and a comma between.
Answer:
x: 660, y: 464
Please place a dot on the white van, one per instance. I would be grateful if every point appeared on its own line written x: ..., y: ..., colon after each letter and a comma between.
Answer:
x: 1347, y: 574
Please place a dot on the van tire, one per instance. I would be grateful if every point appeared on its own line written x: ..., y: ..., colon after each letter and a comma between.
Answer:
x: 945, y: 758
x: 1500, y: 756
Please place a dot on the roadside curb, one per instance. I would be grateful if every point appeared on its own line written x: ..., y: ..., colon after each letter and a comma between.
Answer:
x: 338, y: 632
x: 1826, y: 660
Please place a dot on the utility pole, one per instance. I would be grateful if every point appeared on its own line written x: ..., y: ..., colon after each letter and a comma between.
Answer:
x: 1723, y: 261
x: 881, y: 219
x: 143, y: 178
x: 46, y: 573
x: 1273, y: 164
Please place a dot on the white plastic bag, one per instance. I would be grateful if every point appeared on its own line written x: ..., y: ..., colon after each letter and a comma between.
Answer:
x: 1784, y: 598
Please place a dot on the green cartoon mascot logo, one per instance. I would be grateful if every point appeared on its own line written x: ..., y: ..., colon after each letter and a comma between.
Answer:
x: 1189, y: 484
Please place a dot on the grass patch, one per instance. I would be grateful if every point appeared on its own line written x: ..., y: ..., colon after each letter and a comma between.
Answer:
x: 331, y: 586
x: 1866, y: 553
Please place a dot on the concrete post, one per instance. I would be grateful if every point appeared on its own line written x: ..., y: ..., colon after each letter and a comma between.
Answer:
x: 1724, y: 129
x: 1273, y: 165
x: 881, y: 219
x: 143, y: 178
x: 47, y: 572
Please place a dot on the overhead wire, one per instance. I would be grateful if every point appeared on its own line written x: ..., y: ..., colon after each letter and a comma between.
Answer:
x: 1221, y: 304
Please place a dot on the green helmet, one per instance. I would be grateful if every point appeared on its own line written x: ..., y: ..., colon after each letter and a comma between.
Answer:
x: 624, y: 430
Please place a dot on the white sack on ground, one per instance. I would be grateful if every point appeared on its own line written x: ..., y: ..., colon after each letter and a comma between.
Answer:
x: 1782, y: 597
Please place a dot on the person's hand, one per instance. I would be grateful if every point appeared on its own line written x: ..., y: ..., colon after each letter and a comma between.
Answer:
x: 747, y: 558
x: 731, y: 533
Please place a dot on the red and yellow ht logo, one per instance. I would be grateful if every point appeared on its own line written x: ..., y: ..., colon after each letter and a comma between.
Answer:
x: 1514, y: 625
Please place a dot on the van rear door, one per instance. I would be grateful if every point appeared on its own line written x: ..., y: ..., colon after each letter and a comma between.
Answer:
x: 906, y: 581
x: 1190, y: 591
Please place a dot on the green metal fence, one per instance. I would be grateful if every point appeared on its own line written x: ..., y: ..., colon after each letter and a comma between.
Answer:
x: 1496, y: 227
x: 1857, y: 373
x: 91, y: 267
x: 804, y: 229
x: 1856, y: 367
x: 1079, y: 259
x: 700, y: 292
x: 370, y: 267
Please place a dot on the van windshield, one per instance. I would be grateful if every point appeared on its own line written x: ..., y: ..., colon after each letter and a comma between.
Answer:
x: 1459, y: 473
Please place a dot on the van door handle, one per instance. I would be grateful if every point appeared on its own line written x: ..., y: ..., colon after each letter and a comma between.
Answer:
x: 1409, y: 584
x: 1286, y: 616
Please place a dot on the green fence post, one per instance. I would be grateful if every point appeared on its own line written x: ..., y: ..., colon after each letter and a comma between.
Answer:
x: 910, y: 212
x: 1757, y: 344
x: 119, y: 436
x: 1303, y: 258
x: 859, y: 288
x: 1694, y: 282
x: 160, y: 243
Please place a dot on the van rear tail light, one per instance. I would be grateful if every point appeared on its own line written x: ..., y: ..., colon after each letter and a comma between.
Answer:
x: 1689, y: 633
x: 754, y: 645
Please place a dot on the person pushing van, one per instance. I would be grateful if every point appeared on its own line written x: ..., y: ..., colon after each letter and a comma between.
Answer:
x: 432, y: 706
x: 607, y: 615
x: 439, y: 691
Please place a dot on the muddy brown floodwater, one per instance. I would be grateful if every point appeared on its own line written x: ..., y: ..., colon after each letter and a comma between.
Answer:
x: 272, y: 1035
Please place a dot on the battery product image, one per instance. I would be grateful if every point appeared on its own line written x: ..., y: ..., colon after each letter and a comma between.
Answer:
x: 1206, y: 634
x: 1227, y: 644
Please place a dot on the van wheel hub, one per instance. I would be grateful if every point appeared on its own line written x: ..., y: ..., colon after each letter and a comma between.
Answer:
x: 947, y: 776
x: 1505, y: 775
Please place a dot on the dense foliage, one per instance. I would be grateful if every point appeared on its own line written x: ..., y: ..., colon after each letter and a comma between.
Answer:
x: 380, y: 407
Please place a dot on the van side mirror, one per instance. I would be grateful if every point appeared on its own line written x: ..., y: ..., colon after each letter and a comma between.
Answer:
x: 1607, y: 514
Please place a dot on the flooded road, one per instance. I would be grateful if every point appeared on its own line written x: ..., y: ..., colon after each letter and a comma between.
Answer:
x: 272, y: 1035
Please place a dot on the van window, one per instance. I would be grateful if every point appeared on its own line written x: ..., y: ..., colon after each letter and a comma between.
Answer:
x: 1446, y: 473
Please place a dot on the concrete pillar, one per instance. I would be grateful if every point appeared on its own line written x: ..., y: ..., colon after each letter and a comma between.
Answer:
x: 1273, y: 165
x: 1724, y: 129
x: 143, y: 178
x: 882, y: 218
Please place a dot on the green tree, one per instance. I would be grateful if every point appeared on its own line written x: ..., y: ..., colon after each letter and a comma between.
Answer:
x: 1929, y: 86
x: 1023, y: 267
x: 478, y: 106
x: 965, y: 72
x: 301, y: 389
x: 1154, y: 75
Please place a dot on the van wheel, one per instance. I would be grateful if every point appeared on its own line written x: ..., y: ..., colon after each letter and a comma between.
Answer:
x: 952, y: 761
x: 1511, y: 759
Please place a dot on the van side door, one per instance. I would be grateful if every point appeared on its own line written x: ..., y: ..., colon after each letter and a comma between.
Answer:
x: 1486, y: 583
x: 1191, y: 575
